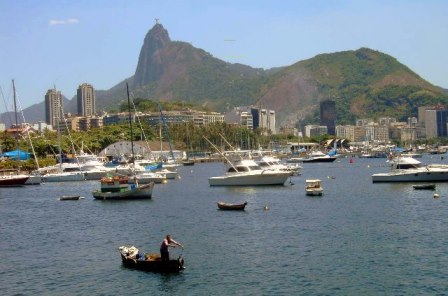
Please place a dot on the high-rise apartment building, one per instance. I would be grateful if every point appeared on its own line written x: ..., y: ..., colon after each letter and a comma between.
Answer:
x: 86, y: 100
x: 263, y: 119
x: 53, y: 107
x: 328, y: 116
x: 436, y: 123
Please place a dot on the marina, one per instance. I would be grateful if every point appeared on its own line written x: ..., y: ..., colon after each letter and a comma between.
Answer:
x: 362, y: 238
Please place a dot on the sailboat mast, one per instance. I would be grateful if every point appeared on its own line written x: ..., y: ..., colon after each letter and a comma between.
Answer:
x: 17, y: 123
x: 130, y: 124
x: 167, y: 131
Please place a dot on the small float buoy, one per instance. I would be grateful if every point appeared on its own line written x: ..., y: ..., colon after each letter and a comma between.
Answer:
x: 191, y: 171
x: 368, y: 165
x: 265, y: 208
x: 164, y: 181
x: 436, y: 195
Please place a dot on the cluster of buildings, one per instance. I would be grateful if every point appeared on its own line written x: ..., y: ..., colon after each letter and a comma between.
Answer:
x: 87, y: 116
x: 432, y: 121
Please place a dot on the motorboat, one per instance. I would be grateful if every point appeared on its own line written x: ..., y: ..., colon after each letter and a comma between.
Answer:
x: 131, y: 258
x: 231, y: 207
x: 408, y: 169
x: 246, y: 172
x: 318, y: 156
x: 119, y: 188
x: 313, y: 187
x: 148, y: 177
x: 269, y: 162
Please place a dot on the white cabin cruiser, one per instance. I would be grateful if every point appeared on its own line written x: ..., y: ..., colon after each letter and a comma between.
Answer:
x: 408, y: 169
x: 247, y: 172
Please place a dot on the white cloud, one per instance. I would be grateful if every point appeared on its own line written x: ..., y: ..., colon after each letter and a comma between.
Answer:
x: 69, y: 21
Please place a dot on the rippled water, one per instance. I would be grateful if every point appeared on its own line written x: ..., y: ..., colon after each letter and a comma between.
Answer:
x: 358, y: 239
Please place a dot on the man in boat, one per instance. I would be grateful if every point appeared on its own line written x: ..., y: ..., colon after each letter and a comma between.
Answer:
x: 168, y: 242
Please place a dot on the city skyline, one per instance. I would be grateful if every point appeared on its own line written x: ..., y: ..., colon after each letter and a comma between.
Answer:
x: 64, y: 44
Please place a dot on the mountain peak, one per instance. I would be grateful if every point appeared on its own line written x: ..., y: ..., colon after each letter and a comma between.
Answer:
x: 147, y: 68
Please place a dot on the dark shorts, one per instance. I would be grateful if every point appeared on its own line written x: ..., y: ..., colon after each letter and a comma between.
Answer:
x: 165, y: 255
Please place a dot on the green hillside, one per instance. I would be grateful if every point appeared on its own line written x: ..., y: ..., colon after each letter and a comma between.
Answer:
x: 364, y: 83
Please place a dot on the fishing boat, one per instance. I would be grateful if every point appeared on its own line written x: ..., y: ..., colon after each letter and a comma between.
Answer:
x: 314, y: 187
x: 131, y: 258
x: 424, y: 186
x: 119, y: 187
x: 71, y: 197
x: 231, y: 207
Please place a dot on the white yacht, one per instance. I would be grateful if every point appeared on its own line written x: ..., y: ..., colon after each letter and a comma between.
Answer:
x: 408, y: 169
x: 269, y: 162
x: 247, y: 172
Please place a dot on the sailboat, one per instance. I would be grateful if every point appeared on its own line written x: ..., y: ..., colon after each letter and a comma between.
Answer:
x: 120, y: 187
x: 9, y: 178
x: 60, y: 172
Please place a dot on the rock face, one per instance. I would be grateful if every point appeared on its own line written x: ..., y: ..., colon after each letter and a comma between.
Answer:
x: 151, y: 62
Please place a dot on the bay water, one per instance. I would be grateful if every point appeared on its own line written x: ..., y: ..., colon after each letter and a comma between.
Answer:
x: 359, y: 238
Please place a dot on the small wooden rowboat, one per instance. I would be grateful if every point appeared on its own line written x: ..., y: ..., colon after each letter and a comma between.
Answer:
x: 231, y: 207
x: 131, y: 258
x: 71, y: 197
x: 424, y: 186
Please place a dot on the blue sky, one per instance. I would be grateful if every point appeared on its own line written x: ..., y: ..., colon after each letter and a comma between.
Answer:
x: 66, y: 43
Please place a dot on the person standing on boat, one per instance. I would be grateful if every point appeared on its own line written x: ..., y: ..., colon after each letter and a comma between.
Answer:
x: 168, y: 242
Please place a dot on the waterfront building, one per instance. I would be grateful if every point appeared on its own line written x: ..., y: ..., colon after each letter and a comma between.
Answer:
x: 53, y: 107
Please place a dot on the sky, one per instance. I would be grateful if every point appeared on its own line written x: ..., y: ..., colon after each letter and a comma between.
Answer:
x: 46, y: 44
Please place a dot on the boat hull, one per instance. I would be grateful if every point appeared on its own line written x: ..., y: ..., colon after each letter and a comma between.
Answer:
x: 249, y: 180
x: 319, y: 159
x: 231, y: 207
x: 412, y: 176
x: 71, y: 197
x: 425, y: 187
x: 14, y: 181
x: 143, y: 191
x: 314, y: 192
x: 171, y: 266
x: 63, y: 177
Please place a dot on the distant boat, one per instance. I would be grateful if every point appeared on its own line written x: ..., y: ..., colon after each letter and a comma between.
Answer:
x: 231, y: 207
x: 408, y: 169
x: 424, y: 186
x: 71, y: 197
x: 319, y: 157
x: 188, y: 162
x: 314, y: 187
